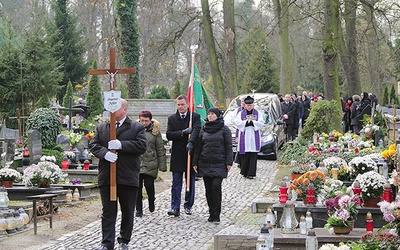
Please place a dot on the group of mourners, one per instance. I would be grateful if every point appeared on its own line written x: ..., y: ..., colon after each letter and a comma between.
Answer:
x: 296, y: 110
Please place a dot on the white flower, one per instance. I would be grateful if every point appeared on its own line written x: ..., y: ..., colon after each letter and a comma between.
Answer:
x: 43, y: 172
x: 331, y: 161
x: 372, y: 183
x: 9, y: 174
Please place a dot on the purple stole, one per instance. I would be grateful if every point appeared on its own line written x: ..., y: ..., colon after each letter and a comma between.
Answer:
x: 242, y: 134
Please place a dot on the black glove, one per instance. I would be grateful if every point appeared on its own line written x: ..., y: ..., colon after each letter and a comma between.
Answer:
x: 190, y: 147
x: 186, y: 131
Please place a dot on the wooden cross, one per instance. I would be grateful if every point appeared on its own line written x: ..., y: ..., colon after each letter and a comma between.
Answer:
x: 18, y: 118
x: 112, y: 71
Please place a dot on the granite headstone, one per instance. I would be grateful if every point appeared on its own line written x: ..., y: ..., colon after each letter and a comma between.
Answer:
x: 35, y: 145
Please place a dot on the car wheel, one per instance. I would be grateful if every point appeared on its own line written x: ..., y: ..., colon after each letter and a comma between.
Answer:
x: 274, y: 157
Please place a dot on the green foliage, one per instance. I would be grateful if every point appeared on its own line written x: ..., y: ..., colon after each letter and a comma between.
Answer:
x: 374, y: 241
x: 88, y: 123
x: 335, y: 222
x: 72, y: 48
x: 385, y: 100
x: 159, y: 92
x: 292, y: 150
x: 43, y: 102
x: 127, y: 24
x: 124, y: 90
x: 47, y: 122
x: 57, y: 154
x: 93, y: 99
x: 69, y: 93
x: 321, y: 118
x: 177, y: 89
x: 58, y: 147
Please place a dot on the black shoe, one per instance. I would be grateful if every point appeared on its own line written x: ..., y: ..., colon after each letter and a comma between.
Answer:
x: 250, y: 177
x: 188, y: 211
x: 151, y: 206
x: 123, y: 246
x: 216, y: 220
x: 173, y: 212
x: 210, y: 219
x: 139, y: 214
x: 101, y: 248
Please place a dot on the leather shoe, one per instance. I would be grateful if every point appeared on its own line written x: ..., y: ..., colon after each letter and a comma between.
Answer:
x: 188, y: 211
x: 139, y: 214
x: 210, y: 219
x: 173, y: 212
x: 123, y: 246
x: 101, y: 248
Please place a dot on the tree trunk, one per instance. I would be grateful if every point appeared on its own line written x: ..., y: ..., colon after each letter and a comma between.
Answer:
x: 230, y: 48
x: 281, y: 9
x: 330, y: 52
x: 374, y: 56
x: 213, y: 60
x: 352, y: 72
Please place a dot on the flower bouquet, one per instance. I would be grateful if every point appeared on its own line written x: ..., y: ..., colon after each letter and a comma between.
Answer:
x: 343, y: 206
x: 44, y: 172
x: 391, y: 214
x: 370, y: 131
x: 333, y: 188
x: 300, y: 185
x: 74, y: 138
x: 9, y: 174
x: 372, y: 184
x: 389, y: 153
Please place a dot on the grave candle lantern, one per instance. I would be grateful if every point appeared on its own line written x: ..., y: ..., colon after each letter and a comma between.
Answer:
x: 388, y: 193
x: 369, y: 223
x: 311, y: 194
x: 86, y: 164
x: 283, y: 196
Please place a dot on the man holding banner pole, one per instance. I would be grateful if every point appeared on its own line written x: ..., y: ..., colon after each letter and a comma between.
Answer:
x: 183, y: 130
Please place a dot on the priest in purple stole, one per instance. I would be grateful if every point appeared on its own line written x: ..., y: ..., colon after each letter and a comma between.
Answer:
x: 248, y: 123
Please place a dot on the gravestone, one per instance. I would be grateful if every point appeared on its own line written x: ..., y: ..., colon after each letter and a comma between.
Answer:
x: 83, y: 143
x: 63, y: 140
x: 35, y: 145
x: 10, y: 149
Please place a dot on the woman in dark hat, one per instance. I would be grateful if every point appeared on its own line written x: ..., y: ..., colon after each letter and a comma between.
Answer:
x: 249, y: 124
x: 213, y: 159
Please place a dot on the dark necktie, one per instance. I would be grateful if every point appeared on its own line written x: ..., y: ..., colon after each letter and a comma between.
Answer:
x: 118, y: 124
x: 183, y: 116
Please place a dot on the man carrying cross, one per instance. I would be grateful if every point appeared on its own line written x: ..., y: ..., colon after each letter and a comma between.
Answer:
x: 129, y: 145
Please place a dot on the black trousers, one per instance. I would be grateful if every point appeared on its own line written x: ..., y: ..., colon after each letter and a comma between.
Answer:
x: 148, y: 182
x: 248, y: 164
x: 213, y: 194
x: 127, y: 198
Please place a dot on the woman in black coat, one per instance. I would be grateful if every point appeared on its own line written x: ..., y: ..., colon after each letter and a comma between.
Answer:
x: 213, y: 159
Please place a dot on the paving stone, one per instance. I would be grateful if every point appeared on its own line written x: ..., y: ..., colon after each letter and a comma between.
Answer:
x: 157, y: 230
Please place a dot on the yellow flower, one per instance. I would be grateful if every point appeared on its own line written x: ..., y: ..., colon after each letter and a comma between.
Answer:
x: 355, y: 136
x: 392, y: 146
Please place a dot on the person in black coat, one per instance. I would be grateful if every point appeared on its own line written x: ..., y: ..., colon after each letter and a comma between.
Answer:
x: 347, y: 115
x: 129, y: 145
x: 306, y: 103
x: 288, y: 110
x: 213, y: 159
x: 178, y: 132
x: 355, y: 114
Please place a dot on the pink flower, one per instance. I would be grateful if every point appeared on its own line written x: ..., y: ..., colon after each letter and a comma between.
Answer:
x: 388, y: 216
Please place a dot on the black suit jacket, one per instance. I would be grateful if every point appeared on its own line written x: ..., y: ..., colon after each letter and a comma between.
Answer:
x: 174, y: 133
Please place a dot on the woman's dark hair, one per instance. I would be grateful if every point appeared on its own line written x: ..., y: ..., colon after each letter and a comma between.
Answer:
x: 146, y: 113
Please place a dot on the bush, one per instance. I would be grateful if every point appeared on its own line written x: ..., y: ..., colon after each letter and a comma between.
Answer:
x: 47, y: 122
x: 321, y: 119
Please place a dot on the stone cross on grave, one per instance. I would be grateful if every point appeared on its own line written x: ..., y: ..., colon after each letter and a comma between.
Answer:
x: 112, y: 72
x: 18, y: 118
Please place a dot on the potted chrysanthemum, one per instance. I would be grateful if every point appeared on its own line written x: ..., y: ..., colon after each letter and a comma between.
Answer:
x: 372, y: 185
x: 43, y: 174
x: 8, y: 176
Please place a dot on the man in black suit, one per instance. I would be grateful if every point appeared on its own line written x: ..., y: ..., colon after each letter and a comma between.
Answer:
x: 178, y: 132
x: 130, y: 144
x: 288, y: 110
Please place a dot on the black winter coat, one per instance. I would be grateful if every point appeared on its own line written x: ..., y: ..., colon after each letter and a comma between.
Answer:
x: 174, y: 133
x: 133, y: 139
x: 214, y: 150
x: 288, y: 109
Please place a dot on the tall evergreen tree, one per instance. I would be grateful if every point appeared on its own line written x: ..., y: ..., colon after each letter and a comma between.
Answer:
x: 159, y: 92
x: 72, y: 49
x: 261, y: 74
x: 392, y: 95
x: 68, y: 93
x: 41, y: 69
x: 385, y: 100
x: 177, y: 89
x: 93, y: 99
x: 128, y: 30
